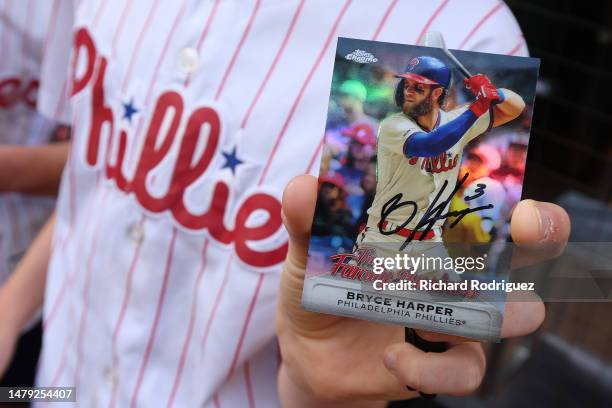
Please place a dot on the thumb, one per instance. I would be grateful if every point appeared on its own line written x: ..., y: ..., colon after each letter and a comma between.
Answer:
x: 299, y: 199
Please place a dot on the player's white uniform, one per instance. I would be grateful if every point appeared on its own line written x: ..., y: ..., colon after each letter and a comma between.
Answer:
x: 24, y: 25
x: 418, y: 179
x: 189, y: 119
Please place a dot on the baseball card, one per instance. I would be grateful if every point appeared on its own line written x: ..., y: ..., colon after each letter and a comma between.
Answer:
x: 423, y: 161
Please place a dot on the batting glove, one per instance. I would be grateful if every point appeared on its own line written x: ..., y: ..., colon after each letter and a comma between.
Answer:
x: 486, y: 93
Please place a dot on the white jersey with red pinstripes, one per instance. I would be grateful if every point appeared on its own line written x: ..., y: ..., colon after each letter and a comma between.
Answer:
x: 24, y: 25
x: 189, y: 118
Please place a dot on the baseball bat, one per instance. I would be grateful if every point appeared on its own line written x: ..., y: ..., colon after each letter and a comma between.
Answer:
x: 435, y: 39
x: 461, y: 67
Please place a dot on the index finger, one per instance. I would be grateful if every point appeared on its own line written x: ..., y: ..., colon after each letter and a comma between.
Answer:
x: 540, y: 231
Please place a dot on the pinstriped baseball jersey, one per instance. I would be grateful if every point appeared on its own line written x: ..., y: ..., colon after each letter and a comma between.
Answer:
x: 189, y: 117
x: 23, y: 28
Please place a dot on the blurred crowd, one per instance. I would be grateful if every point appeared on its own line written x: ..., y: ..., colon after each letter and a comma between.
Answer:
x: 499, y: 169
x: 347, y: 182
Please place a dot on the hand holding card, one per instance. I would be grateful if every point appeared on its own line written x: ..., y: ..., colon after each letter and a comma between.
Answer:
x: 329, y: 358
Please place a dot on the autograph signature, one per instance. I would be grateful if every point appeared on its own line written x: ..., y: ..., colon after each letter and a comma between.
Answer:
x: 434, y: 212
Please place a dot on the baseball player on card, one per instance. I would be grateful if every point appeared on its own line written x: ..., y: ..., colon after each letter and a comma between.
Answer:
x: 419, y: 155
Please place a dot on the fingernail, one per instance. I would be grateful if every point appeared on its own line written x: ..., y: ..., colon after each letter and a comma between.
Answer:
x: 547, y: 222
x: 389, y: 359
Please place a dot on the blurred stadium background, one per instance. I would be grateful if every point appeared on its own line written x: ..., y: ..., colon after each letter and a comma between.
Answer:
x: 568, y: 362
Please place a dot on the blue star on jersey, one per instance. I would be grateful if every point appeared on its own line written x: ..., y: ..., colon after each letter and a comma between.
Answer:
x: 231, y: 160
x: 129, y: 110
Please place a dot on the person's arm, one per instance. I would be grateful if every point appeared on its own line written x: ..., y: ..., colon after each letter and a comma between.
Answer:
x: 32, y: 169
x: 292, y: 396
x: 510, y: 109
x: 22, y: 294
x: 430, y: 144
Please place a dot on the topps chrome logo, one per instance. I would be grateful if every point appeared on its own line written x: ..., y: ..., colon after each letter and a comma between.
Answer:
x: 361, y: 56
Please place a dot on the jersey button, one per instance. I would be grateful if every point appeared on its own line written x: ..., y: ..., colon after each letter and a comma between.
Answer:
x: 189, y: 60
x: 111, y: 376
x: 135, y: 232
